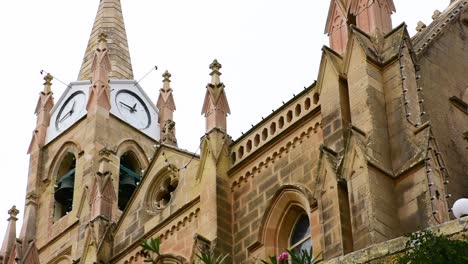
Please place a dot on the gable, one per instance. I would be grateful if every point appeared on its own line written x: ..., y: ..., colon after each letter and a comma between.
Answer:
x: 170, y: 174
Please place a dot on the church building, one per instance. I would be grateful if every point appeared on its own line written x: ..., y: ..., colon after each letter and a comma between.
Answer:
x: 377, y: 147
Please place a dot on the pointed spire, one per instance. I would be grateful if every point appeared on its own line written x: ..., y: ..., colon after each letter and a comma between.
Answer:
x: 215, y: 105
x: 10, y: 234
x: 101, y: 67
x: 43, y: 108
x: 337, y: 26
x: 28, y: 230
x: 373, y: 17
x: 166, y: 106
x: 109, y: 20
x: 102, y: 195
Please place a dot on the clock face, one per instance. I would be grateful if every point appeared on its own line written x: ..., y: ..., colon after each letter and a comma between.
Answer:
x: 133, y: 109
x: 71, y: 110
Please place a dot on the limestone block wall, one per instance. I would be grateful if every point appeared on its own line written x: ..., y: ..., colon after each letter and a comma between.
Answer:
x: 367, y: 103
x: 176, y: 223
x: 112, y: 135
x: 444, y: 76
x: 292, y: 159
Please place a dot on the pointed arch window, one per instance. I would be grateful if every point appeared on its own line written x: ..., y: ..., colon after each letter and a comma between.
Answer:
x: 64, y: 186
x: 129, y: 178
x: 300, y: 236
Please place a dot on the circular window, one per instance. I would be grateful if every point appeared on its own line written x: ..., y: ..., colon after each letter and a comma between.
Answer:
x: 162, y: 189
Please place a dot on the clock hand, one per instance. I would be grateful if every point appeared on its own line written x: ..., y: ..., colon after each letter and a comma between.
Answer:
x: 73, y: 108
x: 134, y: 107
x: 65, y: 117
x: 126, y: 105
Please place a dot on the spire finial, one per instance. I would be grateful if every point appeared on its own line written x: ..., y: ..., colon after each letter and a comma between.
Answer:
x: 48, y: 83
x: 215, y: 107
x: 109, y: 20
x: 166, y: 75
x: 166, y: 106
x: 215, y: 66
x: 101, y: 68
x: 13, y: 212
x: 43, y: 107
x: 10, y: 234
x: 166, y: 81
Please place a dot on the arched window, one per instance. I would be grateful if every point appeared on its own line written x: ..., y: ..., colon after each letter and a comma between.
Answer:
x: 64, y: 186
x: 300, y: 236
x: 290, y: 222
x: 129, y: 177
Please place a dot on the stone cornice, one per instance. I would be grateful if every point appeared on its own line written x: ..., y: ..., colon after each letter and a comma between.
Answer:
x: 276, y: 153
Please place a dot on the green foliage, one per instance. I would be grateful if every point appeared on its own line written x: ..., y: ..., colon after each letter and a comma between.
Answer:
x: 305, y: 257
x: 150, y: 248
x: 272, y: 260
x: 210, y: 258
x: 426, y: 247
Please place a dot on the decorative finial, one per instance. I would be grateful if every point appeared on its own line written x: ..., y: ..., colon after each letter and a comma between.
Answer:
x: 215, y: 66
x: 436, y: 14
x: 167, y: 76
x: 13, y: 212
x: 215, y: 106
x: 166, y: 83
x: 48, y: 83
x: 166, y: 106
x: 421, y: 26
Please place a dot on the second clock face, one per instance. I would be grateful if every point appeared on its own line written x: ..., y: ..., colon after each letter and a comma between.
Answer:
x: 133, y: 109
x: 71, y: 110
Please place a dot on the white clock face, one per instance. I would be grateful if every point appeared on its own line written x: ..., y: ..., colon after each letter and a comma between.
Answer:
x: 71, y: 111
x: 133, y: 109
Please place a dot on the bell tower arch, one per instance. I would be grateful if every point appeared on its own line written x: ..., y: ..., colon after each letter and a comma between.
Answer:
x: 64, y: 186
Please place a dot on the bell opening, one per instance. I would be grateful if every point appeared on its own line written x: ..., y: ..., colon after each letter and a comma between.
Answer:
x: 129, y: 177
x: 64, y: 186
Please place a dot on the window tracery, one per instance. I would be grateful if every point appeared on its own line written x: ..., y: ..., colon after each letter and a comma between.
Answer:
x: 161, y: 191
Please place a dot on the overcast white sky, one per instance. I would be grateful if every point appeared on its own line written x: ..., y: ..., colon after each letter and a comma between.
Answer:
x: 269, y: 49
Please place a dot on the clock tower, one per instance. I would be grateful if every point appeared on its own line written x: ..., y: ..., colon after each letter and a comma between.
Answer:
x: 88, y: 152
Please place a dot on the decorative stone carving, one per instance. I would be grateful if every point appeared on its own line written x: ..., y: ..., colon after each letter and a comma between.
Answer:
x: 162, y: 189
x: 168, y: 133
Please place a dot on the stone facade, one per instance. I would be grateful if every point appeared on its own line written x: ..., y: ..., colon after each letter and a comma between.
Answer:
x: 374, y: 149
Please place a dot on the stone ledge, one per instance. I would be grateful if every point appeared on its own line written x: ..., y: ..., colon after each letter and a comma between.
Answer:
x: 377, y: 253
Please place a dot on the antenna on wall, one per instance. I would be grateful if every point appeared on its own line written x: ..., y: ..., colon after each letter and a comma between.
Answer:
x: 155, y: 68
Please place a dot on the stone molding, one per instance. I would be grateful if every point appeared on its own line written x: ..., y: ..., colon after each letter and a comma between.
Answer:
x: 175, y: 227
x: 271, y: 127
x: 274, y: 155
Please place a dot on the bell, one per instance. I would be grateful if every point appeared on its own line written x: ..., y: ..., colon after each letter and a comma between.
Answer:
x: 128, y: 182
x: 64, y: 191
